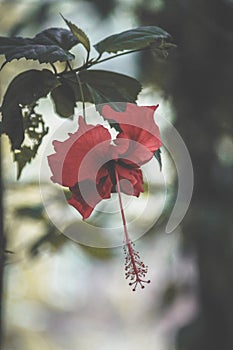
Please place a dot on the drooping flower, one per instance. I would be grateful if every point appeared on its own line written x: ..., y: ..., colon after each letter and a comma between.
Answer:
x: 86, y: 162
x: 92, y: 165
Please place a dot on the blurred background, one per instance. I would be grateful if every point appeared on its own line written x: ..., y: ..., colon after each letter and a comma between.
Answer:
x: 63, y: 295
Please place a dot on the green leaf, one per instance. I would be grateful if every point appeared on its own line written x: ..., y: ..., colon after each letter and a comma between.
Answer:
x: 64, y: 99
x: 79, y: 34
x: 22, y: 157
x: 157, y: 155
x: 24, y: 90
x: 49, y: 46
x: 35, y: 130
x: 12, y: 125
x: 98, y: 87
x: 134, y: 39
x: 162, y: 51
x: 29, y: 86
x: 101, y: 86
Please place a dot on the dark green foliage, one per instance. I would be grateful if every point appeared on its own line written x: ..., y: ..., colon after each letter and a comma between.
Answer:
x: 134, y: 39
x: 49, y: 46
x: 79, y: 34
x: 64, y: 99
x: 24, y: 90
x: 101, y: 86
x: 70, y: 86
x: 98, y: 87
x: 35, y: 130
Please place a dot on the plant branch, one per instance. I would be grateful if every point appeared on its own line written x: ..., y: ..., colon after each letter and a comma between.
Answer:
x: 88, y: 56
x: 54, y: 68
x: 117, y: 55
x: 92, y: 62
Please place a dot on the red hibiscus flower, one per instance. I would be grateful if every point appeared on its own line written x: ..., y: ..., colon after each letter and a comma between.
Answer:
x: 87, y: 161
x: 92, y: 165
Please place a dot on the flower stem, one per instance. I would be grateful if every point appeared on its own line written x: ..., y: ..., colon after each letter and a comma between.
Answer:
x: 81, y: 89
x: 134, y: 268
x: 82, y: 96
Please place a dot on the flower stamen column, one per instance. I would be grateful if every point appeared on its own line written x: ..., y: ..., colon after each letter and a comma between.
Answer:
x: 135, y: 269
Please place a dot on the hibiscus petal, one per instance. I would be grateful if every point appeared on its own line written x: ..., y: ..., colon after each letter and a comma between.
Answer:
x: 135, y: 153
x: 140, y: 116
x: 80, y: 156
x: 86, y: 195
x: 137, y: 124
